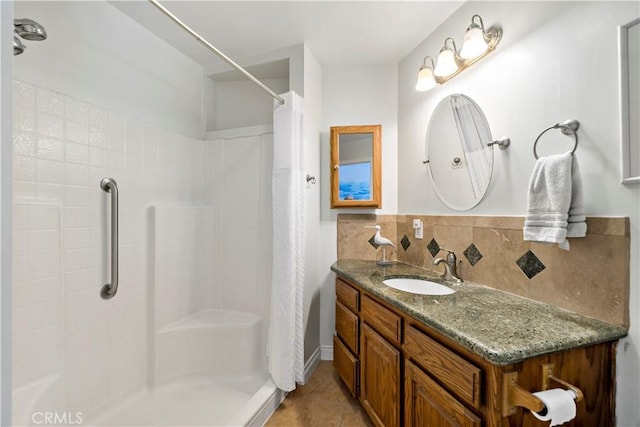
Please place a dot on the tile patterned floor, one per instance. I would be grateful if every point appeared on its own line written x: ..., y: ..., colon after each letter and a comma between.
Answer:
x: 323, y: 402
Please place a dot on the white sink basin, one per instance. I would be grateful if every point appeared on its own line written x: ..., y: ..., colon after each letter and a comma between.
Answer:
x: 418, y: 286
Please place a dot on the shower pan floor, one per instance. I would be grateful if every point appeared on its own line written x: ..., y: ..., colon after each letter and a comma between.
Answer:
x: 195, y: 402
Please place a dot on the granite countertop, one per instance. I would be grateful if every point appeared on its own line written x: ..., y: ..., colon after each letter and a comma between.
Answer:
x: 500, y: 327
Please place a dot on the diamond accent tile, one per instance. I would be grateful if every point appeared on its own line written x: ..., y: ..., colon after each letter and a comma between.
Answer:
x: 433, y: 247
x: 472, y: 254
x: 405, y: 242
x: 373, y: 243
x: 530, y: 264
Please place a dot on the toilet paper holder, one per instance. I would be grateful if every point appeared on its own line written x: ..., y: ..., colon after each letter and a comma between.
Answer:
x: 513, y: 395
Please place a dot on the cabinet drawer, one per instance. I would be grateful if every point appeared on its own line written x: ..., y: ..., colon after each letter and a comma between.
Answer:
x: 428, y: 404
x: 386, y: 322
x: 456, y: 374
x: 346, y: 365
x: 348, y: 295
x: 347, y: 327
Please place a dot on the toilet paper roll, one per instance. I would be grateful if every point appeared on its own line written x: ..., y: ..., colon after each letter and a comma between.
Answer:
x: 560, y: 406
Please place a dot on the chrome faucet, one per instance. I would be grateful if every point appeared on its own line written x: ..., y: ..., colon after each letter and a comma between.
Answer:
x: 450, y: 266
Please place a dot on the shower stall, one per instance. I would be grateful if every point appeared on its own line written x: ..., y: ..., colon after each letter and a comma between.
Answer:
x: 180, y: 233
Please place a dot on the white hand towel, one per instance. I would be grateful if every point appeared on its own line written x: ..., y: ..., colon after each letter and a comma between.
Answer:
x: 576, y: 224
x: 549, y: 199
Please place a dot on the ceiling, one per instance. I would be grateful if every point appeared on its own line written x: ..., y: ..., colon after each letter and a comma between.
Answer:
x: 349, y: 33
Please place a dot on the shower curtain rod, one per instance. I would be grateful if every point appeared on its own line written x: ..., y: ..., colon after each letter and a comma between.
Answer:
x: 212, y: 48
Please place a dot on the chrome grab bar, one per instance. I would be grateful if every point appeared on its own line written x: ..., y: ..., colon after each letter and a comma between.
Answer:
x: 109, y: 290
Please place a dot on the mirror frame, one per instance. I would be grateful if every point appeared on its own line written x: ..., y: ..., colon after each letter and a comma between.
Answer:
x: 439, y: 191
x: 626, y: 142
x: 376, y: 178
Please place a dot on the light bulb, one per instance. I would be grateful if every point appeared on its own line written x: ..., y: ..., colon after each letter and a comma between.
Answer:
x: 426, y: 80
x: 474, y: 44
x: 446, y: 63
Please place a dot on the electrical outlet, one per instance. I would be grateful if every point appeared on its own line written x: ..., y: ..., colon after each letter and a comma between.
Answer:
x: 418, y: 228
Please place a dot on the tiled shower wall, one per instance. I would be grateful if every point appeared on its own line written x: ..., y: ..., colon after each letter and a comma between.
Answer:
x: 592, y: 278
x: 38, y: 326
x: 240, y: 178
x: 182, y: 274
x: 63, y: 147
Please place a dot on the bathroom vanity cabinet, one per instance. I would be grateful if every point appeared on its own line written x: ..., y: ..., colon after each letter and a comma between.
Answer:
x: 346, y: 342
x: 406, y: 373
x: 381, y: 361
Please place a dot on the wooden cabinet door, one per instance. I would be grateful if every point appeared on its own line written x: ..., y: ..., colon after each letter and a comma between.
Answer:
x: 428, y: 404
x: 380, y: 378
x: 346, y: 365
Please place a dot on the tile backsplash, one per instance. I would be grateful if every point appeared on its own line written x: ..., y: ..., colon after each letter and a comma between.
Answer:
x: 353, y: 238
x: 591, y: 279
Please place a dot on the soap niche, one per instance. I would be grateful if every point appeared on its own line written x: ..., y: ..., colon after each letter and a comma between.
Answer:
x: 232, y: 101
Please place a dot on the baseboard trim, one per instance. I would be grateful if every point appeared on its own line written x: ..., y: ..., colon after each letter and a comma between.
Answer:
x: 326, y: 352
x: 268, y: 408
x: 311, y: 365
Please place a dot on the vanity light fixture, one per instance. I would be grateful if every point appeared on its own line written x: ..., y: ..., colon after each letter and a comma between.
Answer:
x: 426, y: 79
x: 446, y: 60
x: 477, y: 44
x: 475, y: 39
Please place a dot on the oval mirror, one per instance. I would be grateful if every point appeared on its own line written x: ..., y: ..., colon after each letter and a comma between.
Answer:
x: 459, y: 160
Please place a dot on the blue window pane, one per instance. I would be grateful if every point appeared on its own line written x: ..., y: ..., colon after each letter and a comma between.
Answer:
x: 355, y: 181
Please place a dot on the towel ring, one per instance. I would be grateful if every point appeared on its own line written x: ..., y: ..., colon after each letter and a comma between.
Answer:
x: 570, y: 127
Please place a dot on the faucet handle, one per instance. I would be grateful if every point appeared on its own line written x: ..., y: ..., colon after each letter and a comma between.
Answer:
x: 451, y: 257
x: 451, y: 253
x: 450, y: 266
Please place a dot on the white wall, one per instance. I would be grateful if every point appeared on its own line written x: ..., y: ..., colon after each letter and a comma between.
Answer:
x: 94, y: 51
x: 240, y: 103
x: 294, y: 54
x: 361, y: 96
x: 255, y: 108
x: 313, y: 95
x: 633, y: 50
x: 550, y: 66
x: 354, y: 96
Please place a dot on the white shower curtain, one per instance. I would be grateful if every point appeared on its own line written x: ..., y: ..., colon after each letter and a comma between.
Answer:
x: 286, y: 335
